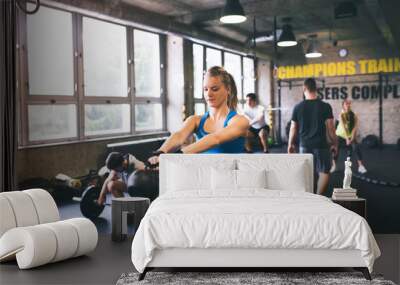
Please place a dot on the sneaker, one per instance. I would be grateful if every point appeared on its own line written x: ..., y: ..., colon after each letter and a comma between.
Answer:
x: 333, y: 168
x: 362, y: 169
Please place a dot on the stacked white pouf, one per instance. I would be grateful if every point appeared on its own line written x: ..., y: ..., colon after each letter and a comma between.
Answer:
x: 31, y: 231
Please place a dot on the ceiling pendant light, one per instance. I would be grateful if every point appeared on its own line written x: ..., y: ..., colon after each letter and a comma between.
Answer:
x: 233, y: 13
x: 312, y: 51
x: 287, y: 38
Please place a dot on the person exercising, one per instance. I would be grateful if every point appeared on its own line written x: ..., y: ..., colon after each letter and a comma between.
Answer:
x: 120, y: 167
x: 346, y: 132
x: 254, y: 112
x: 219, y: 130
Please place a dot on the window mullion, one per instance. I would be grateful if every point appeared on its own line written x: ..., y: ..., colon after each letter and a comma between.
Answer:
x: 79, y: 83
x: 163, y: 91
x: 133, y: 88
x: 148, y: 100
x: 242, y: 79
x: 106, y: 100
x: 131, y: 75
x: 255, y: 75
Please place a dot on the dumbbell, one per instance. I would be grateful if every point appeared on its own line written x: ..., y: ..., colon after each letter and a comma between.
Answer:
x: 144, y: 183
x: 89, y: 206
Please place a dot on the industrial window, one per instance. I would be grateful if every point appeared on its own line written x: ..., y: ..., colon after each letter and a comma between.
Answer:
x: 233, y: 64
x: 198, y: 76
x: 148, y: 81
x: 213, y: 57
x: 241, y: 67
x: 82, y: 78
x: 248, y: 76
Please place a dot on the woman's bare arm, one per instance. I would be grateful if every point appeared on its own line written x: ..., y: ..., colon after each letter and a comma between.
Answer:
x: 178, y: 138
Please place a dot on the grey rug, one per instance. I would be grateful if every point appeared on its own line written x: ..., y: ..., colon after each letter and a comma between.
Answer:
x: 269, y: 278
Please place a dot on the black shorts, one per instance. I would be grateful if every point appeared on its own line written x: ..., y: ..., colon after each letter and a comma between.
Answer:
x: 257, y: 131
x: 322, y: 158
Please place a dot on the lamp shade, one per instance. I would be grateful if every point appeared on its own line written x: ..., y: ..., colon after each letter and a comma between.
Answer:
x: 312, y: 51
x: 233, y: 13
x: 287, y: 38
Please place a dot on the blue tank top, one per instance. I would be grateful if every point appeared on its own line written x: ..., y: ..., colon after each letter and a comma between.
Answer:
x: 233, y: 146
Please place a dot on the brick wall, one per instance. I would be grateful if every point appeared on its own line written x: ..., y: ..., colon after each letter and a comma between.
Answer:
x: 366, y: 108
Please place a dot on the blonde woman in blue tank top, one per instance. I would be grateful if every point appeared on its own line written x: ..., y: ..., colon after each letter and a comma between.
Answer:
x: 220, y: 130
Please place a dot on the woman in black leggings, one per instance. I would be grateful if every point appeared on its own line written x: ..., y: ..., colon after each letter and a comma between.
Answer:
x: 346, y: 132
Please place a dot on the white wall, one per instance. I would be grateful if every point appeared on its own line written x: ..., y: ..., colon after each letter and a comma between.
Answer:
x: 264, y: 82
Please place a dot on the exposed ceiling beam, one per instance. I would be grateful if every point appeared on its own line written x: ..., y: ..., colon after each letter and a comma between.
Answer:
x: 377, y: 14
x: 200, y: 16
x: 229, y: 31
x: 391, y: 10
x: 281, y: 8
x: 170, y: 7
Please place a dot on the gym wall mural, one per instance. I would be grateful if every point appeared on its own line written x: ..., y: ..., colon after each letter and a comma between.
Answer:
x: 363, y: 81
x: 340, y: 68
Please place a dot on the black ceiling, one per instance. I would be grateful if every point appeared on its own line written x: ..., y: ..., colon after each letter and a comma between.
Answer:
x: 376, y: 22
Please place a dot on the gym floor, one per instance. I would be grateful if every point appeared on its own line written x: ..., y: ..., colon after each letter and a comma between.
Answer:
x: 111, y: 259
x: 102, y: 266
x: 383, y: 211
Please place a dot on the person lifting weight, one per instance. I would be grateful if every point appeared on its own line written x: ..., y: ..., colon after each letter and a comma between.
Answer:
x: 121, y: 167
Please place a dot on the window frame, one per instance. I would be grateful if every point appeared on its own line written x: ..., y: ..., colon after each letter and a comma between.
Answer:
x: 255, y: 77
x: 79, y: 99
x: 163, y: 92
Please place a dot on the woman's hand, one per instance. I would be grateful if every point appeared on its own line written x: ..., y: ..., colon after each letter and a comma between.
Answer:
x: 153, y: 160
x: 291, y: 148
x: 101, y: 200
x: 334, y: 150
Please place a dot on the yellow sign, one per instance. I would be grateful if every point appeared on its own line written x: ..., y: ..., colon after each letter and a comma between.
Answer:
x: 340, y: 68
